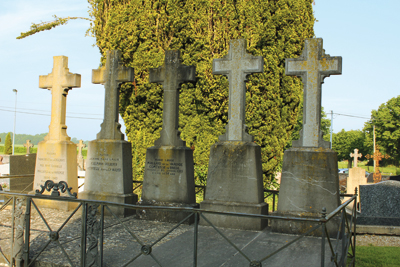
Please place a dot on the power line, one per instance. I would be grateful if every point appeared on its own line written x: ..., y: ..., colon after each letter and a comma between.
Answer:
x: 85, y: 118
x: 48, y: 111
x: 351, y: 116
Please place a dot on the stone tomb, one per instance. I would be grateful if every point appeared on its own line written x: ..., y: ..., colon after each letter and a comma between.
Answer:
x: 109, y: 158
x: 169, y: 172
x: 235, y: 181
x: 309, y: 172
x: 380, y: 204
x: 56, y: 154
x: 19, y: 165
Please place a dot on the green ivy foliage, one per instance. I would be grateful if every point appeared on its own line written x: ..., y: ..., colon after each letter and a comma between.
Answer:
x: 201, y: 30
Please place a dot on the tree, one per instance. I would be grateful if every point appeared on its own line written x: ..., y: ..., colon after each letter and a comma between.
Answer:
x: 201, y: 30
x: 8, y: 144
x: 344, y: 143
x: 387, y: 128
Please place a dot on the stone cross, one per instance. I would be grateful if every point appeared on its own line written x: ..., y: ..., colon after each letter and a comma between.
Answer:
x: 112, y: 75
x: 80, y: 146
x: 236, y: 65
x: 377, y: 156
x: 28, y: 146
x: 171, y: 76
x: 59, y: 81
x: 312, y: 66
x: 356, y: 156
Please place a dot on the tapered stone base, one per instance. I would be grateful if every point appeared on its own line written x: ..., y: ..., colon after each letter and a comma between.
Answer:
x: 235, y: 184
x: 56, y: 161
x: 109, y: 174
x: 168, y: 181
x: 172, y: 216
x: 309, y: 183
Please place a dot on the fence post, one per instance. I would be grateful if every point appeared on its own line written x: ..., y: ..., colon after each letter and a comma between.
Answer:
x: 323, y: 237
x: 27, y: 230
x: 83, y: 235
x: 196, y: 228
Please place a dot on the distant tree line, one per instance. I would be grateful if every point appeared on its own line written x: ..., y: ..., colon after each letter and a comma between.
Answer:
x: 20, y: 139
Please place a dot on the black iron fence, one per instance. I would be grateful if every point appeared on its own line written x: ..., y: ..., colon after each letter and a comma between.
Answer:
x: 92, y: 216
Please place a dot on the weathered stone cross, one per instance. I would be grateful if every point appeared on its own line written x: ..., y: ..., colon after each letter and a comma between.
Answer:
x: 112, y: 75
x: 28, y: 146
x: 59, y: 81
x: 171, y: 75
x: 312, y: 66
x: 237, y: 64
x: 80, y: 146
x: 377, y: 156
x: 356, y: 156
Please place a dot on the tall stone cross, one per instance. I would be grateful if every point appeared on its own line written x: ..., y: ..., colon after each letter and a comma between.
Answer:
x: 80, y: 145
x: 312, y: 66
x: 111, y: 76
x: 59, y: 81
x: 377, y: 156
x: 356, y: 156
x: 28, y: 146
x: 171, y: 76
x: 236, y: 65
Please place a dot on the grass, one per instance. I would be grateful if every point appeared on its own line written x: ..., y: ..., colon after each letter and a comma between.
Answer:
x: 388, y: 170
x: 371, y: 256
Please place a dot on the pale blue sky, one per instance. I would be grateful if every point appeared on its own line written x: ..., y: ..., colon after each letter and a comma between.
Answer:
x: 363, y: 32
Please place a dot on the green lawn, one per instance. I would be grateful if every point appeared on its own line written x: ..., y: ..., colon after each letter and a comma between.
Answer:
x: 371, y: 256
x: 388, y: 170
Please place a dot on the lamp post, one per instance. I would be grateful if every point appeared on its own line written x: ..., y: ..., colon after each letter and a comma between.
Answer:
x: 15, y: 119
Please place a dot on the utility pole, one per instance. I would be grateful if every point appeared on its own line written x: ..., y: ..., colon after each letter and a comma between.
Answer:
x: 374, y: 150
x: 331, y: 126
x: 15, y: 119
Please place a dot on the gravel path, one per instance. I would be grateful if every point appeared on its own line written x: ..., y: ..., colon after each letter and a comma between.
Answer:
x: 378, y: 240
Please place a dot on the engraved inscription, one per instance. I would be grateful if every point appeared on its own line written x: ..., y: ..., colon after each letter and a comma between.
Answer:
x: 164, y: 167
x: 50, y: 168
x: 104, y: 163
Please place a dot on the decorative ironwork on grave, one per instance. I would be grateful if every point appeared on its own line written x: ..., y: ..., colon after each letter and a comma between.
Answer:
x: 377, y: 156
x: 92, y: 235
x: 57, y: 187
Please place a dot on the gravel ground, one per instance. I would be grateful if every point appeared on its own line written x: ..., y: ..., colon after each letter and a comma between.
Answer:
x: 378, y: 240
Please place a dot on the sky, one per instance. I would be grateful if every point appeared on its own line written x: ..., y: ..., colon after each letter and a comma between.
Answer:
x: 365, y: 33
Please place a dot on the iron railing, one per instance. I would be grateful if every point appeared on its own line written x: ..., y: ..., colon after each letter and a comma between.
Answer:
x: 342, y: 249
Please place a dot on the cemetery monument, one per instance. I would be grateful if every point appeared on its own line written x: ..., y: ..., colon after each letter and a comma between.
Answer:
x: 80, y: 159
x: 169, y: 171
x: 28, y: 146
x: 56, y: 154
x: 356, y: 176
x: 310, y: 179
x: 377, y: 156
x: 109, y: 158
x: 235, y: 181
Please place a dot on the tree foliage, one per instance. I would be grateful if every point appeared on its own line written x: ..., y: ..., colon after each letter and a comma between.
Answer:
x: 201, y: 30
x: 8, y: 145
x: 387, y: 128
x: 344, y: 143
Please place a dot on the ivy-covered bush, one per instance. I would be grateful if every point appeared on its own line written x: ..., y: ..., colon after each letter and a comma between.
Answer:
x: 201, y: 30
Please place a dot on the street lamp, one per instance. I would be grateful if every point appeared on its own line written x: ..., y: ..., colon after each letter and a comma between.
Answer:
x: 15, y: 118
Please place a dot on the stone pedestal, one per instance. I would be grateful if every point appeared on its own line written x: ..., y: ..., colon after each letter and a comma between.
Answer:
x: 355, y: 179
x: 56, y: 161
x: 168, y: 181
x: 235, y: 184
x: 309, y: 183
x: 109, y: 174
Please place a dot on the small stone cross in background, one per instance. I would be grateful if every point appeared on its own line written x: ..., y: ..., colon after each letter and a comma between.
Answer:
x: 312, y: 66
x: 112, y: 75
x: 171, y: 76
x: 28, y: 146
x: 356, y: 156
x: 377, y: 156
x: 59, y: 81
x: 237, y: 64
x: 80, y: 145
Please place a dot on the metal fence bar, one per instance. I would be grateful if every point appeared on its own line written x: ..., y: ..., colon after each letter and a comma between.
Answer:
x: 196, y: 228
x: 101, y: 234
x: 12, y: 259
x: 6, y: 204
x: 65, y: 253
x: 83, y: 237
x: 27, y: 230
x: 41, y: 216
x: 323, y: 238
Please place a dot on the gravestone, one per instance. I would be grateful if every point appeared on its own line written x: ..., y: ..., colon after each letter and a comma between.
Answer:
x: 20, y: 165
x: 234, y: 181
x: 80, y: 159
x: 169, y: 171
x: 377, y: 156
x: 109, y: 158
x: 309, y: 172
x: 28, y: 146
x: 356, y: 176
x: 56, y: 154
x: 380, y: 204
